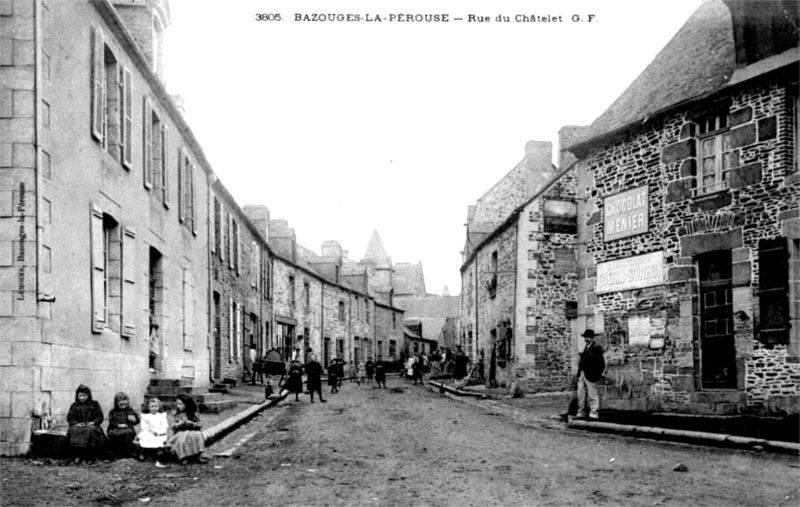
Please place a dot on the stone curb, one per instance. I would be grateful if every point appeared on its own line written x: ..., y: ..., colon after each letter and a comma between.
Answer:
x: 218, y: 431
x: 692, y: 437
x: 456, y: 392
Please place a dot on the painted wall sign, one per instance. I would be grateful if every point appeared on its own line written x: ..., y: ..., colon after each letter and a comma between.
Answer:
x: 630, y: 273
x: 639, y: 331
x: 626, y: 214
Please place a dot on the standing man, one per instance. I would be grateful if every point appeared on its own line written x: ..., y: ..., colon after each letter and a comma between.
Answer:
x: 314, y: 377
x: 252, y: 365
x: 590, y: 371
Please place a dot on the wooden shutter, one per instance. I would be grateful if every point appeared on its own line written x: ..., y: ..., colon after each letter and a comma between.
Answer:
x: 222, y: 242
x: 97, y: 239
x: 128, y: 283
x: 192, y: 202
x: 238, y: 247
x: 98, y: 83
x: 188, y: 309
x: 231, y: 232
x: 148, y: 144
x: 773, y: 294
x: 126, y: 117
x: 231, y: 324
x: 181, y: 184
x: 165, y: 164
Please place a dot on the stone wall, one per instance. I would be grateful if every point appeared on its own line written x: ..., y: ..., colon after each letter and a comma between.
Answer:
x: 759, y: 203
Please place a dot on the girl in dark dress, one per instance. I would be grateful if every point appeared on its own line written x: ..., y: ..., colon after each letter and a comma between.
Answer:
x: 294, y: 382
x: 85, y: 435
x: 121, y: 431
x: 187, y: 442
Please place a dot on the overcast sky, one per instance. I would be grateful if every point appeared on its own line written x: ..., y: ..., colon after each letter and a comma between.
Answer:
x: 343, y: 128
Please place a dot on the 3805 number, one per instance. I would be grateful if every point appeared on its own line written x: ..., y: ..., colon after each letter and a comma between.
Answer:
x: 268, y: 17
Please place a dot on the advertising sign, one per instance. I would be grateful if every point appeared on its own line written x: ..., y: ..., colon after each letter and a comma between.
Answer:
x: 631, y: 273
x: 560, y: 216
x: 626, y: 214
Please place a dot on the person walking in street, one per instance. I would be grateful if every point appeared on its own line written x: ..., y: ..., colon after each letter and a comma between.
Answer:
x: 416, y: 369
x: 333, y: 375
x: 294, y: 379
x: 314, y: 377
x: 590, y: 371
x: 380, y: 372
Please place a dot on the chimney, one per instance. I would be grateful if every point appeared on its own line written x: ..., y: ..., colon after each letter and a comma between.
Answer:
x: 259, y: 216
x: 445, y: 291
x: 538, y: 166
x: 567, y: 136
x: 179, y: 103
x: 331, y: 248
x: 147, y: 21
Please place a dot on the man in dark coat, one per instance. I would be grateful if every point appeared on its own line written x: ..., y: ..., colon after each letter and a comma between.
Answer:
x: 314, y: 378
x: 590, y: 371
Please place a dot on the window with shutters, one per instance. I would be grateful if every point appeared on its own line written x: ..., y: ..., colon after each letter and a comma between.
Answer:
x: 153, y: 151
x: 186, y: 202
x: 107, y: 271
x: 231, y: 327
x: 111, y: 106
x: 773, y: 293
x: 215, y: 245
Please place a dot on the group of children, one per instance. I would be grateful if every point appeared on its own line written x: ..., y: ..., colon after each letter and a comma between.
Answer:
x: 157, y: 436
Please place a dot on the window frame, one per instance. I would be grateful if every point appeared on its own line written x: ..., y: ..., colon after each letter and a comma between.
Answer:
x: 713, y: 126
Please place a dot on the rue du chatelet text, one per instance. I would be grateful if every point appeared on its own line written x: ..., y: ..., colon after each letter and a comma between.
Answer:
x: 429, y: 18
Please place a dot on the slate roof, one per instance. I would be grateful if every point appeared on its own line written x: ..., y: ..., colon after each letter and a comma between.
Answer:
x: 376, y: 253
x: 700, y: 59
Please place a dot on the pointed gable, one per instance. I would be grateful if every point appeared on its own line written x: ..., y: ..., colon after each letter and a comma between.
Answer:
x: 376, y: 254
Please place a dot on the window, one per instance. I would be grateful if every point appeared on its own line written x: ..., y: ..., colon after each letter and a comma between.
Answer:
x: 188, y: 309
x: 366, y: 304
x: 340, y: 348
x: 254, y: 264
x: 231, y: 327
x: 714, y: 154
x: 341, y: 312
x: 216, y: 245
x: 113, y: 274
x: 392, y: 348
x: 153, y: 168
x: 773, y: 293
x: 307, y: 291
x: 380, y: 348
x: 492, y: 286
x: 237, y: 247
x: 291, y: 291
x: 186, y: 210
x: 326, y: 352
x: 111, y: 101
x: 394, y: 320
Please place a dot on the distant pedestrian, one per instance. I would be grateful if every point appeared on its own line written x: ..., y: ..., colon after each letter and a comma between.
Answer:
x: 250, y: 366
x: 590, y: 371
x: 333, y: 375
x: 362, y: 373
x: 294, y: 379
x: 380, y: 372
x: 461, y: 363
x: 369, y: 367
x: 416, y: 369
x: 314, y: 377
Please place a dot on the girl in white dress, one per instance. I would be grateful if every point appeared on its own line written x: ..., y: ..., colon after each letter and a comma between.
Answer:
x: 153, y: 434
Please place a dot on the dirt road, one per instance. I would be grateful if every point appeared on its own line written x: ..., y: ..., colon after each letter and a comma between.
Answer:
x: 408, y: 446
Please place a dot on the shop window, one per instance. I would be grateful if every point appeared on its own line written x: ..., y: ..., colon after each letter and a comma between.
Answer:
x: 773, y: 293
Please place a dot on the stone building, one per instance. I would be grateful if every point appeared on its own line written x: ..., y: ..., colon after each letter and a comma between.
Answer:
x: 689, y: 226
x: 519, y: 275
x: 241, y: 308
x: 103, y: 206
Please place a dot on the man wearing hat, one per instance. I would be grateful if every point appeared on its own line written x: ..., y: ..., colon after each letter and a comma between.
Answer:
x: 590, y: 371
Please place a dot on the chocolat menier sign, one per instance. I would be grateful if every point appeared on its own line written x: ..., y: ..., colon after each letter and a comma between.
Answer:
x: 626, y: 214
